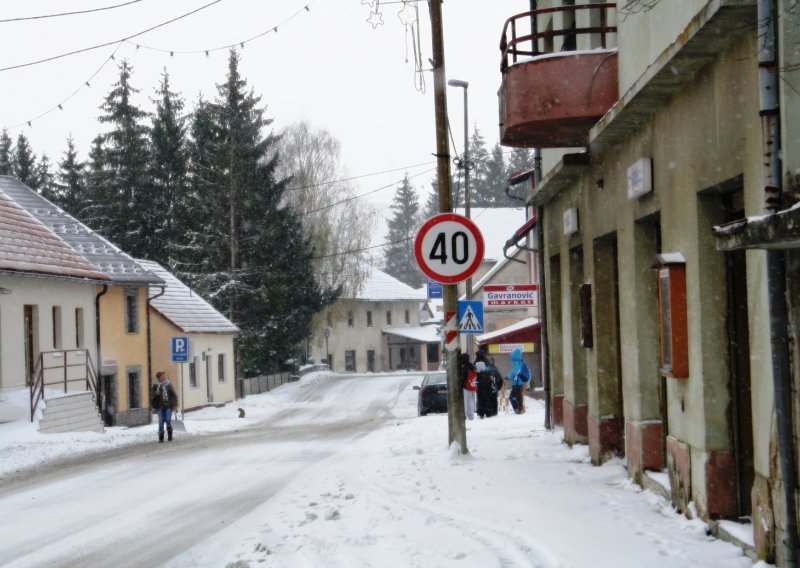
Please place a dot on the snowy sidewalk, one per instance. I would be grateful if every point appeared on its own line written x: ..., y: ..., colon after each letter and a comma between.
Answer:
x: 521, y: 498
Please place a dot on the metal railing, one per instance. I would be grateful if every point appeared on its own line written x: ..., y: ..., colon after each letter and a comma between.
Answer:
x: 75, y: 366
x: 514, y: 46
x: 264, y: 383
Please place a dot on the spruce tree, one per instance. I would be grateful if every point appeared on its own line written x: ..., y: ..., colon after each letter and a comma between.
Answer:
x: 125, y: 153
x: 257, y: 267
x: 496, y: 180
x: 45, y: 181
x: 478, y: 155
x: 168, y: 175
x: 24, y: 162
x: 95, y: 209
x: 70, y: 180
x: 399, y: 251
x: 6, y: 154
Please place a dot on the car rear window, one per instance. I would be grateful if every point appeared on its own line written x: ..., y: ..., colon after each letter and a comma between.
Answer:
x: 437, y: 379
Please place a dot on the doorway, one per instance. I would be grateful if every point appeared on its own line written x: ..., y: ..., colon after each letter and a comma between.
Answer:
x: 29, y: 330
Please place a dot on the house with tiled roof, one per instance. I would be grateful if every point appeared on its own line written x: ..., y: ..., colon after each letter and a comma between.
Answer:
x: 47, y: 299
x: 378, y: 329
x: 122, y: 329
x: 208, y: 376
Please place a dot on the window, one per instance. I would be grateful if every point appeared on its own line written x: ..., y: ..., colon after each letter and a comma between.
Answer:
x: 221, y: 367
x: 408, y: 316
x: 369, y: 319
x: 193, y: 373
x: 131, y: 310
x: 388, y: 317
x: 371, y: 360
x: 134, y: 387
x: 349, y: 319
x: 56, y: 327
x: 350, y: 360
x: 79, y: 338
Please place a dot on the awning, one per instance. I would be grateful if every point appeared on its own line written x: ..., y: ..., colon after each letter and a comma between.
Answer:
x: 527, y: 330
x: 421, y: 334
x: 522, y: 232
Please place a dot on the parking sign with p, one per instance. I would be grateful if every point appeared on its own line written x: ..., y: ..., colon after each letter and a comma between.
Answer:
x: 180, y: 349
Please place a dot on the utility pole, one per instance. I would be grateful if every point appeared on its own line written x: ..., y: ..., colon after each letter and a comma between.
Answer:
x: 455, y: 395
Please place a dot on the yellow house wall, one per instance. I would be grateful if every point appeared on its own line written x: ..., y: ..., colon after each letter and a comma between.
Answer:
x: 120, y: 349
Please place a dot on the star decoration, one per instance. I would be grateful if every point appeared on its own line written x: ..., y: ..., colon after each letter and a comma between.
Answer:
x: 408, y: 15
x: 368, y: 3
x: 376, y: 19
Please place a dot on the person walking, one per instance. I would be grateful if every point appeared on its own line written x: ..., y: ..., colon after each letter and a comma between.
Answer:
x: 164, y: 400
x: 519, y: 377
x: 469, y: 382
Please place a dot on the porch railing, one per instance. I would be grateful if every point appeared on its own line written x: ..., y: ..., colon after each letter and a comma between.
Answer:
x: 516, y: 43
x: 66, y: 368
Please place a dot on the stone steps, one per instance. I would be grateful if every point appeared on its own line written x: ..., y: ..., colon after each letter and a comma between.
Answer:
x: 71, y: 413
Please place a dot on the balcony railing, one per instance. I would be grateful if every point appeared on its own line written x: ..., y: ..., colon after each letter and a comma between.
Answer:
x: 516, y: 43
x: 559, y: 68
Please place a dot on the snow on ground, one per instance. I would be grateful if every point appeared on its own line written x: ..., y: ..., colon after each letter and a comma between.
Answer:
x: 400, y: 497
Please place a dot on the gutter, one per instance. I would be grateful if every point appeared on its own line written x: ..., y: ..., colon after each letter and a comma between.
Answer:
x: 769, y: 89
x: 149, y: 337
x: 100, y: 294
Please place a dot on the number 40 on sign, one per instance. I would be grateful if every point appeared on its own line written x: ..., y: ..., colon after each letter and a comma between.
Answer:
x: 449, y: 248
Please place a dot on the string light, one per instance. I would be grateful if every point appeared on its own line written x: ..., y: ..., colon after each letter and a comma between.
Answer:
x: 111, y: 57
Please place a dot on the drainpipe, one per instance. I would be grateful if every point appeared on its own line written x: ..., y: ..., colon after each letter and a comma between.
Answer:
x: 103, y: 292
x: 776, y: 269
x: 545, y: 355
x: 149, y: 339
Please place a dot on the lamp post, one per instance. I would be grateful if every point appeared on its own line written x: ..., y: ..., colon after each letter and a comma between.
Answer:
x: 466, y: 165
x: 327, y: 333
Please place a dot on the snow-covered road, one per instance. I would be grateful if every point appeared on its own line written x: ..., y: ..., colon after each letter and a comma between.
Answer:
x: 146, y: 503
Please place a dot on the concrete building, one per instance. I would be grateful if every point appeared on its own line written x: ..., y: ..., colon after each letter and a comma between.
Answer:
x: 378, y: 330
x: 649, y: 120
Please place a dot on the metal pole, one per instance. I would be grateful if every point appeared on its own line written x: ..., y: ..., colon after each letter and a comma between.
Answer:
x: 455, y: 395
x: 467, y: 201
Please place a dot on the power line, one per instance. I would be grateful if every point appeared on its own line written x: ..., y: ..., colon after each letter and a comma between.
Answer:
x: 26, y: 18
x: 354, y: 251
x: 106, y: 44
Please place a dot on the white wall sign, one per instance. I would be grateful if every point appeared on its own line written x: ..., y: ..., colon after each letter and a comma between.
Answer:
x: 640, y: 178
x: 570, y: 221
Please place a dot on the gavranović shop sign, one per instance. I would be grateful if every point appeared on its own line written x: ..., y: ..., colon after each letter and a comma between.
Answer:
x: 511, y: 295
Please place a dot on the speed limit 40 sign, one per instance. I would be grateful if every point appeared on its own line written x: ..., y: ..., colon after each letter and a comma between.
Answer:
x: 449, y: 248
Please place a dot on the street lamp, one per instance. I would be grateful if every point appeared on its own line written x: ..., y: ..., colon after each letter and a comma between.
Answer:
x: 327, y: 333
x: 466, y: 165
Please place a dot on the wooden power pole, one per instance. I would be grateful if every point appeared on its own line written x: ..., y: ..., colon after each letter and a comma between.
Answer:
x: 455, y: 395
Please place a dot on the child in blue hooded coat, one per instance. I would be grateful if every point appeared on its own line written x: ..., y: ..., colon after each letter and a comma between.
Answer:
x: 519, y: 376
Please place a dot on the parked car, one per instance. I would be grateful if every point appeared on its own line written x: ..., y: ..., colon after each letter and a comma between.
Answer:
x: 432, y: 393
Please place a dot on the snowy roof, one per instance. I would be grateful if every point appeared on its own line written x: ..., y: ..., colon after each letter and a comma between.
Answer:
x: 424, y: 334
x: 497, y: 225
x: 27, y: 245
x: 94, y: 248
x: 184, y: 308
x: 380, y: 286
x: 522, y: 324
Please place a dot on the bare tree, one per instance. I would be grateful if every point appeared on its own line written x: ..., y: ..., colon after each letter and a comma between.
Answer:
x: 339, y: 225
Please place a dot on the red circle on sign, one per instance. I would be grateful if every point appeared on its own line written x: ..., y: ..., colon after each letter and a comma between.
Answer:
x: 449, y: 248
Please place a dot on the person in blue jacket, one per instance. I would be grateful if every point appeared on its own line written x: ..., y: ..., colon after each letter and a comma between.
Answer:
x: 519, y: 376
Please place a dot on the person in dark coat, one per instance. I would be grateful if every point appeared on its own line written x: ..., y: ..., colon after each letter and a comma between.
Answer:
x: 164, y: 401
x: 496, y: 379
x: 487, y: 395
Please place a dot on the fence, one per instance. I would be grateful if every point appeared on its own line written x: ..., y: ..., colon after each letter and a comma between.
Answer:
x: 257, y: 385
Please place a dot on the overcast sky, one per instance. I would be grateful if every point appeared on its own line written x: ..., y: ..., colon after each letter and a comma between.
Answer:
x: 328, y: 65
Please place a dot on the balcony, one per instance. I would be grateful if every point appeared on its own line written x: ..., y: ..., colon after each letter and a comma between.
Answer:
x: 557, y: 83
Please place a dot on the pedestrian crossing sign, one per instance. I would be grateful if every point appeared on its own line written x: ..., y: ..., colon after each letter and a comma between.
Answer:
x: 470, y: 316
